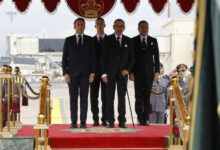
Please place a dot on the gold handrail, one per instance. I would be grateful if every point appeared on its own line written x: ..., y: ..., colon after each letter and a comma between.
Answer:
x: 176, y: 99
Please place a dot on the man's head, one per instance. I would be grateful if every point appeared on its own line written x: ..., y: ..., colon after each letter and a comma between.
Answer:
x: 119, y: 26
x: 182, y: 68
x: 161, y: 69
x: 100, y: 25
x: 143, y: 28
x: 79, y: 25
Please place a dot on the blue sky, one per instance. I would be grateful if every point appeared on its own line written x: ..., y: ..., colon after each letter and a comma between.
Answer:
x: 36, y: 21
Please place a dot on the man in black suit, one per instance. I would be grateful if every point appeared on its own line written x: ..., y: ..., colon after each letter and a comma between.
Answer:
x: 94, y: 87
x: 146, y: 68
x: 117, y: 59
x: 79, y: 70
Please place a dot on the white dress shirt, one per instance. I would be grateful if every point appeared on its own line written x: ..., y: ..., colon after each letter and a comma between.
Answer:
x: 102, y: 36
x: 143, y: 39
x: 120, y: 40
x: 77, y: 38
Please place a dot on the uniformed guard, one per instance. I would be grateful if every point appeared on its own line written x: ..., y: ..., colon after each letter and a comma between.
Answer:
x: 159, y: 102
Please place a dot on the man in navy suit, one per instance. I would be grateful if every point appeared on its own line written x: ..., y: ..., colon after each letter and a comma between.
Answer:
x: 79, y: 70
x: 117, y: 59
x: 145, y: 70
x: 94, y: 87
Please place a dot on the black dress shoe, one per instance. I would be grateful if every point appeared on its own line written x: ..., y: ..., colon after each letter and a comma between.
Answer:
x: 147, y: 123
x: 104, y: 124
x: 72, y: 126
x: 83, y: 125
x: 122, y: 126
x: 96, y: 124
x: 111, y: 125
x: 141, y: 124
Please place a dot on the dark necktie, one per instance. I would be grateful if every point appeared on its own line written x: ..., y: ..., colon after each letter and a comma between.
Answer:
x: 79, y: 40
x: 100, y: 40
x: 144, y: 45
x: 118, y: 42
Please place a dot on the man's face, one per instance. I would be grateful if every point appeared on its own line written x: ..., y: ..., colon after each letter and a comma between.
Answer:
x: 143, y: 29
x: 183, y: 71
x: 161, y: 71
x: 79, y: 26
x: 99, y: 25
x: 119, y: 27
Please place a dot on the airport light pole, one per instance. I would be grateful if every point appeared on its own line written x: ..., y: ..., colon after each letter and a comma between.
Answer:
x: 11, y: 14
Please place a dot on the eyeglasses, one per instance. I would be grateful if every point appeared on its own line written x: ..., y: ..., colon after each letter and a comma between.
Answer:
x: 121, y: 26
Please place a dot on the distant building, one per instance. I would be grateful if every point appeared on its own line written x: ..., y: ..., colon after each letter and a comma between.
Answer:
x: 33, y: 46
x: 176, y: 43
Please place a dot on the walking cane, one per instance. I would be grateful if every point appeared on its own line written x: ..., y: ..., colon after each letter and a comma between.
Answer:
x: 129, y: 100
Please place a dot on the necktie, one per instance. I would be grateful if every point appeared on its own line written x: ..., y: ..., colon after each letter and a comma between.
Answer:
x: 100, y: 40
x: 79, y: 40
x: 118, y: 42
x: 144, y: 45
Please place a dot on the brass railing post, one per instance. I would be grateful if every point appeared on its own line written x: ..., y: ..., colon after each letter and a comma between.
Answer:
x: 44, y: 116
x: 171, y: 113
x: 6, y: 78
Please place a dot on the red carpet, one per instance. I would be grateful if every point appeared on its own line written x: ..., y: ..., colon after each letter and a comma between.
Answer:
x: 61, y: 136
x: 99, y: 137
x: 26, y: 131
x: 105, y: 149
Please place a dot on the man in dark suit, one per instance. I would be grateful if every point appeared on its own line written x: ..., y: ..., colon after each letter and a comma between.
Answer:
x: 94, y: 87
x: 146, y: 68
x: 117, y: 59
x: 79, y: 70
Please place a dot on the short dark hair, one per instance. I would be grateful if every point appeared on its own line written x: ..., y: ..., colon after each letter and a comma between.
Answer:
x: 77, y: 19
x: 142, y: 21
x: 119, y: 20
x: 100, y: 18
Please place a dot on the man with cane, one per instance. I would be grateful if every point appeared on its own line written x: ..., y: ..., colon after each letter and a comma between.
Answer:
x: 117, y: 59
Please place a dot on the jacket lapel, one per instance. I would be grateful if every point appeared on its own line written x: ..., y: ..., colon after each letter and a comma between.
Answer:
x: 74, y: 39
x: 148, y: 42
x: 123, y: 41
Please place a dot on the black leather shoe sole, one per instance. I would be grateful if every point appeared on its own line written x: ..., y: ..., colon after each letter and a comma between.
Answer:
x: 105, y: 124
x: 122, y: 126
x: 72, y: 126
x: 96, y: 124
x: 83, y: 126
x: 111, y: 126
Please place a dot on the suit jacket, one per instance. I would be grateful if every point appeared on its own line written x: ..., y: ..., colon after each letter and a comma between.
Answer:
x: 146, y: 61
x: 113, y: 59
x: 98, y: 48
x: 78, y: 60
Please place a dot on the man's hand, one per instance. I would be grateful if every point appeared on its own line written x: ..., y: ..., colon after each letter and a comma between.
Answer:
x: 67, y: 78
x: 156, y: 76
x: 91, y: 78
x: 131, y: 76
x: 173, y: 72
x: 105, y: 79
x: 125, y: 72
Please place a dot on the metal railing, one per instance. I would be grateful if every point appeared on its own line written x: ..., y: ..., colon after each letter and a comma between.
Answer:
x: 180, y: 111
x: 12, y: 88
